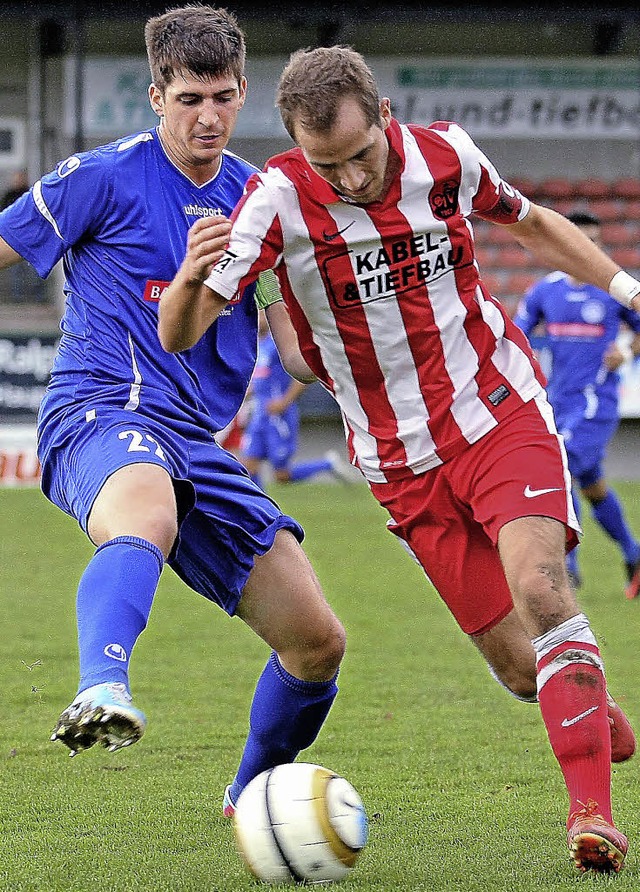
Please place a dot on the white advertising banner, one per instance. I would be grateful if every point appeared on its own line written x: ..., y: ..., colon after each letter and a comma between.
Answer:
x: 497, y: 98
x: 19, y: 465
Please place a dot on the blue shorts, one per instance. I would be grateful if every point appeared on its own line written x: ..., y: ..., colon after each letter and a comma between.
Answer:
x: 586, y: 446
x: 225, y: 519
x: 272, y: 438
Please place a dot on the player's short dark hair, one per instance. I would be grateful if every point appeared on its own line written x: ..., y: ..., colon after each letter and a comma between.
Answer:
x: 194, y: 38
x: 584, y: 218
x: 315, y: 80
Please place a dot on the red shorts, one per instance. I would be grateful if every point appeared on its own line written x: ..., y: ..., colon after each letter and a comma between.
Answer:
x: 450, y: 516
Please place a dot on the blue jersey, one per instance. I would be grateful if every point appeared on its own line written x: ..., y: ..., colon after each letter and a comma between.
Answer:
x: 580, y: 324
x: 118, y: 217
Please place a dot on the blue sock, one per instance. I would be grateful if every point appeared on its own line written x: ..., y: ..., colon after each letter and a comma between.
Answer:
x: 610, y: 516
x: 114, y: 601
x: 306, y: 469
x: 286, y: 717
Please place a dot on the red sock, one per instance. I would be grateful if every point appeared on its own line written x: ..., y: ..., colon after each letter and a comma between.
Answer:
x: 573, y: 703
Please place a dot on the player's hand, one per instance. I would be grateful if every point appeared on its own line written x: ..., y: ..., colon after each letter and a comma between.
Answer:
x: 614, y: 357
x: 206, y: 243
x: 276, y: 406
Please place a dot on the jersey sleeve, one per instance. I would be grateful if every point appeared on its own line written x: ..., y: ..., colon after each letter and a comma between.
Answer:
x: 255, y: 244
x: 482, y: 189
x: 58, y: 211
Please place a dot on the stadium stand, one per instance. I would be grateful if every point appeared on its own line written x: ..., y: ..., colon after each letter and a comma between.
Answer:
x: 509, y: 270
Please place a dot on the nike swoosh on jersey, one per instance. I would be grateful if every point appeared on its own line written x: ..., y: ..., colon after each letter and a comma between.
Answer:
x: 566, y: 723
x: 330, y: 236
x: 532, y: 493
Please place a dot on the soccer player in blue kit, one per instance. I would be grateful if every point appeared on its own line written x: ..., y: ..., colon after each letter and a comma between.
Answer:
x: 581, y: 325
x: 126, y: 430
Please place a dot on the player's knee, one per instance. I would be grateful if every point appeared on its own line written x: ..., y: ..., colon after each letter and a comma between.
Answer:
x: 320, y: 654
x: 161, y: 528
x: 523, y: 689
x: 520, y: 685
x: 333, y: 647
x: 157, y: 523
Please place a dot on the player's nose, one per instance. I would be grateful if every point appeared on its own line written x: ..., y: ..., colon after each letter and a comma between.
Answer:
x: 352, y: 178
x: 208, y: 115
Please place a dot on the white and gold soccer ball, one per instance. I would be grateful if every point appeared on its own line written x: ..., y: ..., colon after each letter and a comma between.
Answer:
x: 300, y: 823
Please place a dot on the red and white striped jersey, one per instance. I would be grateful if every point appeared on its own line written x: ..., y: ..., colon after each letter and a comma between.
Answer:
x: 386, y: 298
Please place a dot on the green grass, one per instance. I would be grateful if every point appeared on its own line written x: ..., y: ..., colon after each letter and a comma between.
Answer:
x: 458, y: 778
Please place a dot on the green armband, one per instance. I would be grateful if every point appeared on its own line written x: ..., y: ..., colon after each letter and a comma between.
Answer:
x: 267, y: 290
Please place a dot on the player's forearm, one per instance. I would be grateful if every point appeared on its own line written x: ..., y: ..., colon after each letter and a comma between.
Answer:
x: 186, y: 311
x: 187, y: 306
x: 286, y: 341
x: 295, y: 390
x: 559, y: 244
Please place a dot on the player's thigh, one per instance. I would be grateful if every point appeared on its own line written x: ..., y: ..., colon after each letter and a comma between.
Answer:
x: 457, y: 555
x: 532, y: 550
x: 284, y: 604
x: 136, y: 500
x: 113, y: 473
x: 232, y: 522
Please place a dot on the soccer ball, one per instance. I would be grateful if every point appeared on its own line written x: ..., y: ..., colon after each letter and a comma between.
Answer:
x: 300, y: 823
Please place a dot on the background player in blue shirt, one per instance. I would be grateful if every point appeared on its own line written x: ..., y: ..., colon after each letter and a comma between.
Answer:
x: 126, y: 430
x: 272, y: 432
x: 581, y: 325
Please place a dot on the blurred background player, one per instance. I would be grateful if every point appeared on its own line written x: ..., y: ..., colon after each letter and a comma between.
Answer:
x: 582, y: 324
x: 126, y: 431
x: 271, y: 434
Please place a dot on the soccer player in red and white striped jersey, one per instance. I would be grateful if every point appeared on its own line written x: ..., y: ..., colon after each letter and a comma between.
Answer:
x: 367, y: 224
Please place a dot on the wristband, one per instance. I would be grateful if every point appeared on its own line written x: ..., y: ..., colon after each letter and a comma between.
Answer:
x: 267, y: 290
x: 624, y: 288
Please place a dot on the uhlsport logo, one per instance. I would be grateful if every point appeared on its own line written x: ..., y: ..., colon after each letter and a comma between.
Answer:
x: 68, y: 166
x: 196, y: 210
x: 116, y: 652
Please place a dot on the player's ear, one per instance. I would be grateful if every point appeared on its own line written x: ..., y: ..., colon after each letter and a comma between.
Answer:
x: 385, y: 112
x: 243, y: 90
x: 156, y: 100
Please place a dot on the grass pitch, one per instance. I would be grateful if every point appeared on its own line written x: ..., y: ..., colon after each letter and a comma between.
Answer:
x: 459, y: 782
